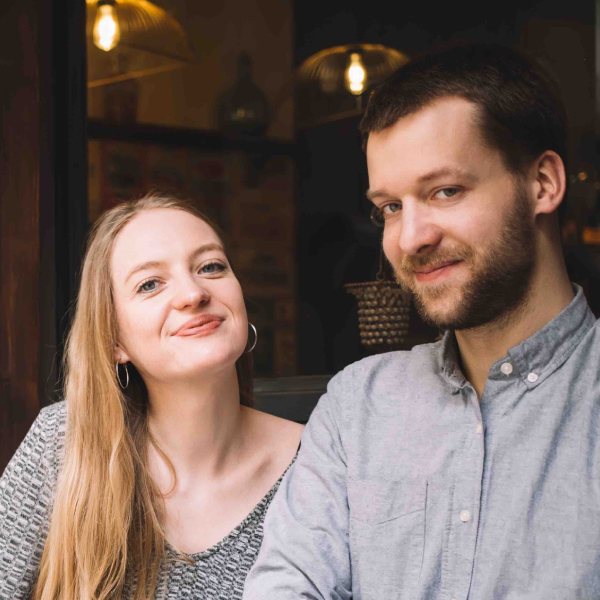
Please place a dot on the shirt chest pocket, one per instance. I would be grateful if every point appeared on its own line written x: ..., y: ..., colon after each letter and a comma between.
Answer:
x: 387, y: 537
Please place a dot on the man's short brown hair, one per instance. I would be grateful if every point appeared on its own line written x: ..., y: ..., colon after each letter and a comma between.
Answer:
x: 521, y: 110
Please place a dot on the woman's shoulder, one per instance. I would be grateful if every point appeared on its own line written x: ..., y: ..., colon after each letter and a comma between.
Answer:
x: 51, y: 426
x: 26, y: 496
x: 53, y: 417
x: 275, y: 431
x: 275, y: 441
x: 44, y: 440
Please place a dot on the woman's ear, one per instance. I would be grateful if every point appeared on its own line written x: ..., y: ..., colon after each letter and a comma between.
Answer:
x: 550, y: 182
x: 121, y: 355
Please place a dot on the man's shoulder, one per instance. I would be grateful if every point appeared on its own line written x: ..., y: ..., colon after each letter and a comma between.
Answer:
x: 385, y: 381
x: 424, y: 358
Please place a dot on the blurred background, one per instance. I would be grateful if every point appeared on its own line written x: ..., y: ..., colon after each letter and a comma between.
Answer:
x: 251, y: 110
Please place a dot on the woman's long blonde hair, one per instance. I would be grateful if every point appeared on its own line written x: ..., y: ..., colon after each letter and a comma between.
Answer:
x: 106, y: 519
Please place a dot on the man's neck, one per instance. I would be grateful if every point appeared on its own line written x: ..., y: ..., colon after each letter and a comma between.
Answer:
x: 480, y: 348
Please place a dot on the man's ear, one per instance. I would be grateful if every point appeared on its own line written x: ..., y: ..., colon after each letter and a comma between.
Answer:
x: 550, y: 182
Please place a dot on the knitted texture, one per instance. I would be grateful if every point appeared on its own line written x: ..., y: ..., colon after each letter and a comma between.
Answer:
x: 26, y: 494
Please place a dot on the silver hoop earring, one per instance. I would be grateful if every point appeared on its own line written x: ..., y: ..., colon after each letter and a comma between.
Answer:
x: 119, y: 377
x: 255, y: 338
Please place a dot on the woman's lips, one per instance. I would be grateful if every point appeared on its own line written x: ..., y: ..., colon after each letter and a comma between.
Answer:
x: 200, y: 330
x: 202, y: 325
x: 428, y: 275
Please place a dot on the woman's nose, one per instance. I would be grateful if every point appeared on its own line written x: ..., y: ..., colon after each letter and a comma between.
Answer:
x: 191, y: 293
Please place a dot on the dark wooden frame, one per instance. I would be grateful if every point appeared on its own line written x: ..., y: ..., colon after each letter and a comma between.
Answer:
x: 201, y: 139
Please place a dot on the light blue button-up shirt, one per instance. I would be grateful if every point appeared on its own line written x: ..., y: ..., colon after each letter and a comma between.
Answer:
x: 409, y: 487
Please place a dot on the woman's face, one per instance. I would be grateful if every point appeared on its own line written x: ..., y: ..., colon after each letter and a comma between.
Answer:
x: 180, y: 309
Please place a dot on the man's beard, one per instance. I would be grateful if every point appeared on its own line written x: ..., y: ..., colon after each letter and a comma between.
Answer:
x: 500, y: 277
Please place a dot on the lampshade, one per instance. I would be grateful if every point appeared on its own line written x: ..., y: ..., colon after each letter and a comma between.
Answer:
x: 329, y: 66
x: 331, y: 83
x: 152, y: 39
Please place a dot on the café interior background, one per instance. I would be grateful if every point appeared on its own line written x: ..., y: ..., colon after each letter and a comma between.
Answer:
x: 217, y: 101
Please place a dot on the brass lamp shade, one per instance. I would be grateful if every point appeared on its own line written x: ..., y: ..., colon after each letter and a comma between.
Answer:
x: 152, y: 40
x: 329, y: 66
x: 325, y: 89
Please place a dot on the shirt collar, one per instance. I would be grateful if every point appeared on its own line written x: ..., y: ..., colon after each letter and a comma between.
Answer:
x: 537, y: 357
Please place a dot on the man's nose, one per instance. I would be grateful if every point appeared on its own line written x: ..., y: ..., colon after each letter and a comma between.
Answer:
x: 417, y: 231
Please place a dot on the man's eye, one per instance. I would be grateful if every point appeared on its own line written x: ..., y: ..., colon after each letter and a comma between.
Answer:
x: 377, y: 217
x: 448, y: 192
x: 391, y: 208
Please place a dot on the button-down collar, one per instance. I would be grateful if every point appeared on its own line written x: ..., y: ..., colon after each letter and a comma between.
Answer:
x: 537, y: 357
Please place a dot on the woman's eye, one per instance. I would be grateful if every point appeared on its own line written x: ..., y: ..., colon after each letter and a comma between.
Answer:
x: 148, y: 286
x: 448, y: 192
x: 212, y: 268
x: 391, y: 208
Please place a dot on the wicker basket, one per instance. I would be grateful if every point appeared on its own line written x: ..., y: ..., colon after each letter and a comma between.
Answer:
x: 383, y: 314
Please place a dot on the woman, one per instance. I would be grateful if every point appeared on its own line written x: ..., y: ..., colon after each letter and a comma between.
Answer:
x: 153, y: 477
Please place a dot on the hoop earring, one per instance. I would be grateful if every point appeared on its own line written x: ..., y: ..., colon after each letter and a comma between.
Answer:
x: 119, y: 377
x: 255, y: 339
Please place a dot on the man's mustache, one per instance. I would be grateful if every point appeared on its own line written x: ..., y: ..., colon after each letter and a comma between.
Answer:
x: 434, y: 259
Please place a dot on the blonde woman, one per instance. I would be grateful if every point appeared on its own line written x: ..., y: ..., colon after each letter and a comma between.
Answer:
x: 152, y: 478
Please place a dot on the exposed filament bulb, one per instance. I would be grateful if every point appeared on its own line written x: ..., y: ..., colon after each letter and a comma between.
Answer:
x: 356, y: 75
x: 106, y: 27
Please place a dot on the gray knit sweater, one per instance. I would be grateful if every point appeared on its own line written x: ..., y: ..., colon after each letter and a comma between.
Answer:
x: 26, y: 494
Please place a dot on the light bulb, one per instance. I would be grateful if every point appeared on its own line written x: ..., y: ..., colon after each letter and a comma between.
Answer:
x: 356, y: 75
x: 106, y: 27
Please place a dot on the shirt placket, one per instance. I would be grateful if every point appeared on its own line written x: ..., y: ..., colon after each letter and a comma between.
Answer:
x: 465, y: 502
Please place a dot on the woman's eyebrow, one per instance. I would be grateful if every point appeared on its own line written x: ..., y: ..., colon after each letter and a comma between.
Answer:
x: 153, y: 264
x: 213, y: 246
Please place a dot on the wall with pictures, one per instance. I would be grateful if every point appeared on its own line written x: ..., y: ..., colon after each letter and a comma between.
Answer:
x: 253, y: 204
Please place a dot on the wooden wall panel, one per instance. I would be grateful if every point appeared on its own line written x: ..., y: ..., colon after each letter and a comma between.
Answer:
x: 19, y: 223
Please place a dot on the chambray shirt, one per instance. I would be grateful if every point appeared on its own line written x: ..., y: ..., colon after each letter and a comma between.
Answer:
x: 409, y: 487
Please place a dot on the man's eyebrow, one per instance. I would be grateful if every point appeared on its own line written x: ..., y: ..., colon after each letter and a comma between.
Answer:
x: 372, y: 194
x: 153, y: 264
x: 427, y: 178
x: 447, y: 172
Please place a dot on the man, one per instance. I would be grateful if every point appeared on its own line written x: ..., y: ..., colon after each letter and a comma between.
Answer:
x: 468, y: 468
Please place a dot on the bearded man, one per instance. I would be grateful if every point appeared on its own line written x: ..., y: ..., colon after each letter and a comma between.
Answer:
x: 468, y: 468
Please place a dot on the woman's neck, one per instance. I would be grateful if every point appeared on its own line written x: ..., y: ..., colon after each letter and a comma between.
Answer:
x: 198, y: 425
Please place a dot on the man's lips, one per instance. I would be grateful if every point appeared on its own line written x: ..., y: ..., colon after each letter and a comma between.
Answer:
x: 429, y: 273
x: 430, y: 269
x: 200, y: 324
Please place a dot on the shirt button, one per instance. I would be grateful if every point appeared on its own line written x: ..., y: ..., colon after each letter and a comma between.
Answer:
x: 506, y: 368
x: 465, y: 515
x: 480, y: 428
x: 533, y: 377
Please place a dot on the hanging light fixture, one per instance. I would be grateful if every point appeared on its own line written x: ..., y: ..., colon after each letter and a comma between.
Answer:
x: 331, y: 83
x: 355, y: 77
x: 153, y: 40
x: 354, y: 66
x: 106, y: 27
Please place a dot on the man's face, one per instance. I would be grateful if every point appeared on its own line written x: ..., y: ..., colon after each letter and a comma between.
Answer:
x: 459, y: 230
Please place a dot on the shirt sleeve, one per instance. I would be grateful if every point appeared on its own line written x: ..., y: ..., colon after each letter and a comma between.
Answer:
x: 25, y: 504
x: 305, y: 551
